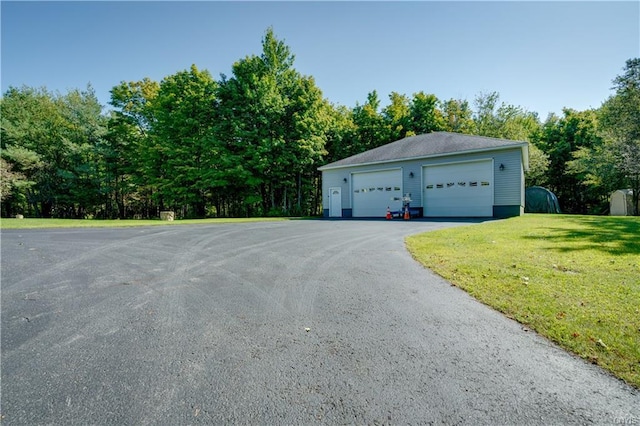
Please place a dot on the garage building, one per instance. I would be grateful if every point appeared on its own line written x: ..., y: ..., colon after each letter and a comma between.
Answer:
x: 444, y: 174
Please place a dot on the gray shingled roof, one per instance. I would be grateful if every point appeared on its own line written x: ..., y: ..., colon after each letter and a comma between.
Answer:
x: 422, y: 146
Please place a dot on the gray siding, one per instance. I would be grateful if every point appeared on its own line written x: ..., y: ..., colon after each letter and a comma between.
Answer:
x: 508, y: 183
x: 412, y: 185
x: 335, y: 179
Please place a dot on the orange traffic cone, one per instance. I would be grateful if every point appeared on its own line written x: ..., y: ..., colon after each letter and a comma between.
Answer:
x: 388, y: 213
x: 407, y: 216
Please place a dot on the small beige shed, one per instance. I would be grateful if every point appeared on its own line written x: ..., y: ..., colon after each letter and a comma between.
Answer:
x: 621, y: 203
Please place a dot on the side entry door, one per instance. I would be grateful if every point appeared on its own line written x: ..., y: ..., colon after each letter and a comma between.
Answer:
x: 335, y: 202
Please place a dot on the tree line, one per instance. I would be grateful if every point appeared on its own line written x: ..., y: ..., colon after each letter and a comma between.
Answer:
x: 250, y: 144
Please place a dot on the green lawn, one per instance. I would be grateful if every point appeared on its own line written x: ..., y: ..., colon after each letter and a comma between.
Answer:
x: 573, y: 279
x: 10, y: 223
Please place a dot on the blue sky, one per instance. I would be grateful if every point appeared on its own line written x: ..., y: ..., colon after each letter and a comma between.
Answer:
x: 542, y: 56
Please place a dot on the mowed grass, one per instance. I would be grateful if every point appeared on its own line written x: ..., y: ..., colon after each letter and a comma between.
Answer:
x: 573, y: 279
x: 10, y: 223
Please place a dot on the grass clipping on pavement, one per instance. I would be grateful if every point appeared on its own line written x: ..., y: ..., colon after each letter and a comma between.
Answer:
x: 573, y: 279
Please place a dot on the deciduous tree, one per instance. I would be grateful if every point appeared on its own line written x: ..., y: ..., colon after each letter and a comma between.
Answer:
x: 397, y: 116
x: 50, y: 139
x: 620, y: 117
x: 458, y: 116
x: 184, y: 114
x: 371, y: 128
x: 132, y: 162
x: 271, y: 128
x: 614, y: 162
x: 425, y: 115
x: 560, y: 138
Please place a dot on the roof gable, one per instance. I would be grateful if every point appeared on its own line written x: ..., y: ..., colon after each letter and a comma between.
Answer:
x: 428, y: 145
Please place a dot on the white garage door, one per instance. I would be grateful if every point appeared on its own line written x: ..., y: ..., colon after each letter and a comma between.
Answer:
x: 459, y: 190
x: 373, y: 192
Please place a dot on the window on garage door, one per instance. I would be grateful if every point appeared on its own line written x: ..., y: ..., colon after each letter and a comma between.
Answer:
x: 459, y: 189
x: 374, y: 191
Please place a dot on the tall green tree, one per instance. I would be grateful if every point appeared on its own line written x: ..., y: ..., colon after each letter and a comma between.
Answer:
x: 458, y: 116
x: 130, y: 156
x: 340, y: 135
x: 184, y: 114
x: 595, y: 168
x: 11, y: 185
x: 123, y: 184
x: 397, y: 116
x: 372, y: 130
x: 271, y: 130
x: 30, y: 120
x: 312, y: 118
x: 506, y: 121
x: 426, y: 117
x: 614, y: 162
x: 82, y: 189
x: 134, y: 100
x: 25, y: 165
x: 501, y: 120
x: 50, y: 139
x: 485, y: 115
x: 560, y: 138
x: 620, y: 117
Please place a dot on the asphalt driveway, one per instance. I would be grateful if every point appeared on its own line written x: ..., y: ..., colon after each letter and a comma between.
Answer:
x: 297, y: 322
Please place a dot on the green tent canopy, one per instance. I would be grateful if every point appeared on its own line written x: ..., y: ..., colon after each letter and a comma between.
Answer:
x: 540, y: 200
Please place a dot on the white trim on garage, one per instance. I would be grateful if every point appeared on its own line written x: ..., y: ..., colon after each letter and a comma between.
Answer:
x: 458, y: 189
x: 375, y: 190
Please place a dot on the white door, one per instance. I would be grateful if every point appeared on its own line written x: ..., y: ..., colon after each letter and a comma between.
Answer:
x: 374, y: 191
x: 335, y: 202
x: 459, y: 189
